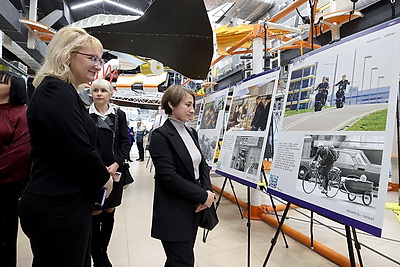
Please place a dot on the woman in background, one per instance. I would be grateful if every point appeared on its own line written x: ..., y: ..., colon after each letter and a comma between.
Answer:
x: 182, y: 181
x: 114, y: 148
x: 67, y: 172
x: 14, y: 157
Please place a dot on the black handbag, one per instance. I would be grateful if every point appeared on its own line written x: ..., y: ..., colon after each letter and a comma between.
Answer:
x: 208, y: 218
x: 126, y: 175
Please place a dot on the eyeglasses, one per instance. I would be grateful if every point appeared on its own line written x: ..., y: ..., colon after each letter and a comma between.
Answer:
x: 96, y: 60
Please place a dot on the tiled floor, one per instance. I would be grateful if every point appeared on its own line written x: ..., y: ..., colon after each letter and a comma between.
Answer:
x: 131, y: 244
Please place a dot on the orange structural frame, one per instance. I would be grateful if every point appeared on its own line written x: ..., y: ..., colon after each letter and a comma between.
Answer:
x: 42, y: 31
x: 241, y: 36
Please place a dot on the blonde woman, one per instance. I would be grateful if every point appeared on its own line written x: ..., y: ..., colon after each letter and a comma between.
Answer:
x: 114, y: 148
x: 67, y: 172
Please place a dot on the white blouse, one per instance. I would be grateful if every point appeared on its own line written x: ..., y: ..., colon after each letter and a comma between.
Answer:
x: 190, y: 145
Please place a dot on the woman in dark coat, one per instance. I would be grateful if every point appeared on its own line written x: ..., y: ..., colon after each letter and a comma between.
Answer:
x: 67, y: 171
x: 182, y: 181
x: 114, y: 148
x: 14, y: 157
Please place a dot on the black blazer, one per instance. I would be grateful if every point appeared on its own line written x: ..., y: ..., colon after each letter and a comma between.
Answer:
x: 65, y: 160
x: 176, y: 193
x: 114, y: 140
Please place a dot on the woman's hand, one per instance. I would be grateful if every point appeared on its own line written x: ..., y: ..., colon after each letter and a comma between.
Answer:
x: 109, y: 186
x: 210, y: 199
x: 112, y: 168
x: 207, y: 204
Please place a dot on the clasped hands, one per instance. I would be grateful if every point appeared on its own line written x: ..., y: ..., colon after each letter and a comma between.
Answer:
x: 109, y: 185
x: 208, y: 203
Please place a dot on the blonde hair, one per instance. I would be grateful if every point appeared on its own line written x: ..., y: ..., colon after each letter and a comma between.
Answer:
x: 58, y: 58
x: 103, y: 84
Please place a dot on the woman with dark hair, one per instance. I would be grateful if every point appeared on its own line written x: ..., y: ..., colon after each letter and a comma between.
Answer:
x: 14, y: 158
x: 182, y: 181
x: 67, y: 174
x: 114, y: 147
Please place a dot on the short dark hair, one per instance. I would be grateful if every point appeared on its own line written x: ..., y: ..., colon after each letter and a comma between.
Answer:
x: 174, y: 95
x: 18, y: 94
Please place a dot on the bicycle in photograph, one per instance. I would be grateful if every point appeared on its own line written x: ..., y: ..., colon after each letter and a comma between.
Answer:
x: 313, y: 178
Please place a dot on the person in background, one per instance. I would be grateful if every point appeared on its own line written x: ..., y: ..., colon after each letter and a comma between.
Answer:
x: 326, y: 157
x: 342, y: 86
x: 265, y: 112
x: 322, y: 88
x: 14, y: 160
x: 182, y: 181
x: 139, y: 134
x: 256, y: 122
x: 67, y: 174
x: 131, y: 136
x: 114, y: 147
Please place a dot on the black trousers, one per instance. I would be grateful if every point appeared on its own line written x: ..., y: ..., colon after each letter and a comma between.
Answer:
x: 179, y: 254
x: 324, y: 171
x: 9, y: 195
x: 140, y: 149
x: 58, y: 228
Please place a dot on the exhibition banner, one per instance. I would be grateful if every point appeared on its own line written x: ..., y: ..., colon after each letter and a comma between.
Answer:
x: 334, y: 146
x: 244, y: 141
x: 211, y: 123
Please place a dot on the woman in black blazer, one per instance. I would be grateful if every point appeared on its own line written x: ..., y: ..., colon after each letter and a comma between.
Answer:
x: 182, y: 181
x: 112, y: 130
x: 67, y: 171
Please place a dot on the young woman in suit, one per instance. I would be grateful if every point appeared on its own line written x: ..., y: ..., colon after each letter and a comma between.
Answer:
x: 182, y: 181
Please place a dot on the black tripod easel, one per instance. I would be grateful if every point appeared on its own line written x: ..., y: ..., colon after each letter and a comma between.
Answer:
x: 278, y: 230
x: 205, y: 231
x: 350, y: 246
x: 263, y: 189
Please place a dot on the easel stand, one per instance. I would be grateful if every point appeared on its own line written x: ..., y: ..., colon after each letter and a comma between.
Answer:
x: 273, y: 204
x: 350, y: 246
x: 205, y: 232
x: 278, y: 230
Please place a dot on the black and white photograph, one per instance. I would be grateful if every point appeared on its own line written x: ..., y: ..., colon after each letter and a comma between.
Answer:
x: 246, y: 154
x: 341, y: 167
x: 208, y: 144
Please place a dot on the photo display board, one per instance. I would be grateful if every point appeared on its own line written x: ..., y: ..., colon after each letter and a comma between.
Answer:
x: 198, y: 108
x: 211, y: 123
x: 243, y: 144
x: 339, y: 123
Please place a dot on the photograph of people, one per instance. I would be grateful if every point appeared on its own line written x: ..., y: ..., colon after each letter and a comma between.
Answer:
x: 340, y: 93
x: 325, y: 158
x: 67, y: 173
x: 114, y: 148
x: 322, y: 89
x: 14, y: 157
x: 182, y: 182
x: 257, y: 119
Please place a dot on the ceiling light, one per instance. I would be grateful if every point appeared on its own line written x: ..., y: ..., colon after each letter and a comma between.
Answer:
x: 89, y: 3
x: 124, y: 7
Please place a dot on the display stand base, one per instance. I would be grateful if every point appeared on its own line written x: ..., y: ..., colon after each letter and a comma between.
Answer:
x: 255, y: 212
x: 393, y: 187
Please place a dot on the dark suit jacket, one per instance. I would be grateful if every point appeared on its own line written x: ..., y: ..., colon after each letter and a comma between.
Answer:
x: 64, y: 143
x: 176, y: 193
